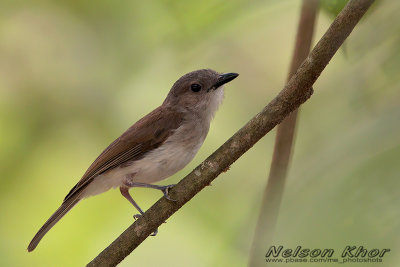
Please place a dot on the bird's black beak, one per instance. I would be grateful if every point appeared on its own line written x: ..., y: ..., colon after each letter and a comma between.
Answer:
x: 225, y: 78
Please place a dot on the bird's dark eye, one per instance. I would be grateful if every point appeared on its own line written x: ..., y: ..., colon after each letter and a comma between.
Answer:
x: 195, y: 87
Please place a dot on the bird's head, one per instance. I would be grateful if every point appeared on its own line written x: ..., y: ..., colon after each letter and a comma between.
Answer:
x: 199, y: 91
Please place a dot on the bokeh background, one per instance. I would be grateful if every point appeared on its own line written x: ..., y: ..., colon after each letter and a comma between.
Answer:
x: 76, y: 74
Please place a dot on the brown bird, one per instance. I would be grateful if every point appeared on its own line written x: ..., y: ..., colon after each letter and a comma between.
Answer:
x: 155, y: 147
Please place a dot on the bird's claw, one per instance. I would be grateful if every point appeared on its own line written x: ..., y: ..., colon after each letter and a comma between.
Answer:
x: 155, y: 232
x: 165, y: 191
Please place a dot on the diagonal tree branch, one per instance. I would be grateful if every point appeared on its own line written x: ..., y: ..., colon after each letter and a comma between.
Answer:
x: 296, y: 92
x: 283, y: 144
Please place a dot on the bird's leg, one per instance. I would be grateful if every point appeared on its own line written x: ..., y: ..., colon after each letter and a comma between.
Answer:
x: 125, y: 192
x: 163, y: 188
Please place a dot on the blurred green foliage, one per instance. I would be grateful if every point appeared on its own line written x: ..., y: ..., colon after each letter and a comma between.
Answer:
x: 75, y: 74
x: 332, y: 7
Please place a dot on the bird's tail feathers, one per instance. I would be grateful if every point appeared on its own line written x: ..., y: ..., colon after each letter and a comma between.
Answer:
x: 60, y: 212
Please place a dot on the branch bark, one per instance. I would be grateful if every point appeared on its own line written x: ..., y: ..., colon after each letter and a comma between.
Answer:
x: 283, y: 145
x: 296, y: 92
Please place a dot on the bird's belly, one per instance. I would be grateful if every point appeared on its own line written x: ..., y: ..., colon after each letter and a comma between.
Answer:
x: 155, y: 166
x: 160, y: 163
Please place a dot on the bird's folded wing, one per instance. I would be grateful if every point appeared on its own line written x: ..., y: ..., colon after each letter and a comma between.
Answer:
x: 145, y: 135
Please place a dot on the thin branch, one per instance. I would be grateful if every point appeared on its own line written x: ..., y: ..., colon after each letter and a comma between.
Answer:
x: 283, y: 144
x: 296, y: 92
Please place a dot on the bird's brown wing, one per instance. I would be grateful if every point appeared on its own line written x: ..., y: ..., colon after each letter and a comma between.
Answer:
x: 145, y: 135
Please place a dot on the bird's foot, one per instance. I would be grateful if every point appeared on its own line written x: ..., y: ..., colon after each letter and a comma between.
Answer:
x: 165, y: 189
